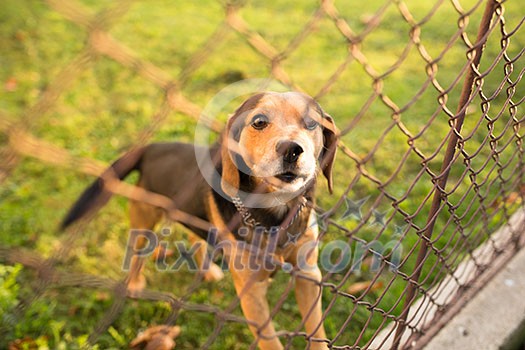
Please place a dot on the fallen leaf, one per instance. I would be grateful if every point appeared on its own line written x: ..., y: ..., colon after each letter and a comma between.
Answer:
x: 11, y: 84
x: 26, y: 343
x: 156, y: 338
x: 102, y: 296
x: 359, y: 287
x: 512, y: 198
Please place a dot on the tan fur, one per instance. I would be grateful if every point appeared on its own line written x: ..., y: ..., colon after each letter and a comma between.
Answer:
x: 171, y: 170
x: 258, y: 148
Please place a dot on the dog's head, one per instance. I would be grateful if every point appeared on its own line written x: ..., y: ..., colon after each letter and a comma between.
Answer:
x: 280, y: 140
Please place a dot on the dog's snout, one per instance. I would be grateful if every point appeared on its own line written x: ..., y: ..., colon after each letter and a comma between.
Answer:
x: 289, y: 150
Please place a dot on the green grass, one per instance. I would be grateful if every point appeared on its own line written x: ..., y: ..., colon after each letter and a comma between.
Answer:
x: 106, y: 107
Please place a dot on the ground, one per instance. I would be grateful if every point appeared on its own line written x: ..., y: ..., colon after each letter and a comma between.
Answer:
x: 106, y: 107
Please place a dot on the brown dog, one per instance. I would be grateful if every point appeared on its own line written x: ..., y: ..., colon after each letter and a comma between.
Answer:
x: 259, y: 193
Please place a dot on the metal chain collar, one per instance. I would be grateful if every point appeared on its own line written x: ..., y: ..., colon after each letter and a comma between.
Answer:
x: 251, y: 222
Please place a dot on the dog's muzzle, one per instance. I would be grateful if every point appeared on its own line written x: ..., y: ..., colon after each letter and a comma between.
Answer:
x: 290, y: 152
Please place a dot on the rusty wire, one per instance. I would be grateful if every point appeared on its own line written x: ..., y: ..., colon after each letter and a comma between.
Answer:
x: 427, y: 265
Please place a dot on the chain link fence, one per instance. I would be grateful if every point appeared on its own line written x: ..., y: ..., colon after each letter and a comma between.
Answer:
x: 428, y: 183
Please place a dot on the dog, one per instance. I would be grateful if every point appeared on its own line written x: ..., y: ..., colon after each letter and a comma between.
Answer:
x: 265, y: 166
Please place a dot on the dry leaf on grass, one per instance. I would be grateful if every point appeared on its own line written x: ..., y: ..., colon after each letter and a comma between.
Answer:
x: 359, y: 287
x: 156, y: 338
x: 24, y: 343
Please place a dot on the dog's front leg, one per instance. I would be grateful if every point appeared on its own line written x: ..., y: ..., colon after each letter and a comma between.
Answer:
x: 251, y: 287
x: 308, y: 290
x: 308, y: 295
x: 210, y: 270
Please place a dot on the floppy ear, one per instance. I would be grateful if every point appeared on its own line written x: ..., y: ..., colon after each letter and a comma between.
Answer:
x: 230, y: 179
x: 330, y: 135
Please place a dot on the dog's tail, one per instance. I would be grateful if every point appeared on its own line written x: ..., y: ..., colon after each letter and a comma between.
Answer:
x: 96, y: 196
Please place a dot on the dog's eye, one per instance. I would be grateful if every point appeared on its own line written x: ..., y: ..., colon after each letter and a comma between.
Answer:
x: 310, y: 123
x: 260, y: 121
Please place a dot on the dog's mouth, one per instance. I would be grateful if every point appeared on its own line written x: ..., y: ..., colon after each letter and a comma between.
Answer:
x: 287, y: 177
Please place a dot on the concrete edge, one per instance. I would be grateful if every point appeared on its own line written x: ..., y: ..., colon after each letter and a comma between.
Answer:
x: 494, y: 319
x: 423, y: 310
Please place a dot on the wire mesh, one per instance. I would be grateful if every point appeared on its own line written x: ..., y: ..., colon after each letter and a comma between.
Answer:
x: 430, y: 164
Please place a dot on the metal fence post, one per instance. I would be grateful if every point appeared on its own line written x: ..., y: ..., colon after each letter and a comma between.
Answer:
x: 441, y: 179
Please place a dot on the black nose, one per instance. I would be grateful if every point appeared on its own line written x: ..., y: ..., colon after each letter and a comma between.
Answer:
x: 289, y: 150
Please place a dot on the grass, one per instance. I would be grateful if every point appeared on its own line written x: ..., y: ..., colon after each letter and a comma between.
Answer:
x: 105, y: 108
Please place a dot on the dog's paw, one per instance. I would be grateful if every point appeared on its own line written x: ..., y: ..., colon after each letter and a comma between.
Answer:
x: 213, y: 274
